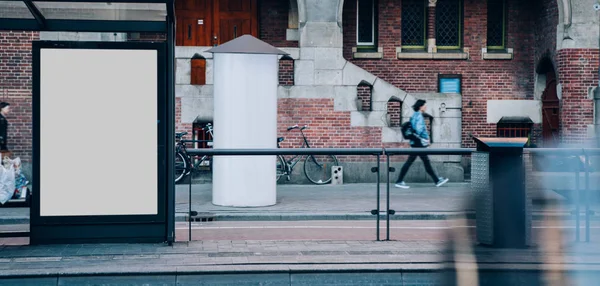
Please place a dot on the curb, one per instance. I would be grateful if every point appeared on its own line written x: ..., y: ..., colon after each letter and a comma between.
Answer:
x: 429, y: 268
x: 212, y: 217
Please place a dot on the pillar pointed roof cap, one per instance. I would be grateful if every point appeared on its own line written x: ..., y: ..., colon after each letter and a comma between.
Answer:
x: 246, y: 44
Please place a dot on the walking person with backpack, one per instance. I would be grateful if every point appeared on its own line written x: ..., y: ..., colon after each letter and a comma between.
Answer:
x: 416, y: 131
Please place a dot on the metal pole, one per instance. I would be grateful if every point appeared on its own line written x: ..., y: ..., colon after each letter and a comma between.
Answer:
x: 387, y: 209
x: 378, y: 192
x: 587, y: 199
x: 170, y: 154
x: 190, y: 207
x: 578, y: 198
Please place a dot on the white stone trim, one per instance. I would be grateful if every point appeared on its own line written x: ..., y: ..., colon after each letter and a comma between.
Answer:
x: 496, y: 109
x: 367, y: 55
x: 292, y: 35
x: 506, y: 55
x: 464, y: 55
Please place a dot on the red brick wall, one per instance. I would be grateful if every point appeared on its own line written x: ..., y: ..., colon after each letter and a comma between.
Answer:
x: 16, y: 81
x: 273, y: 22
x: 578, y: 70
x: 181, y: 127
x: 482, y: 80
x: 327, y: 128
x: 286, y: 71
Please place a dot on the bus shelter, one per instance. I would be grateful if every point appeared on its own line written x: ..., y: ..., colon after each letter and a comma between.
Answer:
x: 103, y: 121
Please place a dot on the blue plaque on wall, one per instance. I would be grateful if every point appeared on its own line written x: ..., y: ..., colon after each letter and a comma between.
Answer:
x: 450, y: 85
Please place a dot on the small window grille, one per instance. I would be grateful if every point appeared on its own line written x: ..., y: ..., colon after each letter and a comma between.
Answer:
x: 448, y: 24
x: 514, y: 127
x: 496, y: 25
x: 413, y: 23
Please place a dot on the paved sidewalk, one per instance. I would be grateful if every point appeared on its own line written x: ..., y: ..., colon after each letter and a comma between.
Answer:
x: 347, y: 200
x: 312, y: 202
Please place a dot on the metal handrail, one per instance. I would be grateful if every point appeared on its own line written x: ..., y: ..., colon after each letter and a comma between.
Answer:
x: 196, y: 141
x: 286, y: 151
x: 378, y: 152
x: 429, y: 151
x: 563, y: 151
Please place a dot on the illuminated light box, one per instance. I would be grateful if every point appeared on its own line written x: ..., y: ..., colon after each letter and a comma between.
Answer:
x: 99, y: 140
x: 81, y: 113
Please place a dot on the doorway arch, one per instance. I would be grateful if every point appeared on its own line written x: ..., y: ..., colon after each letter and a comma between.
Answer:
x: 550, y: 104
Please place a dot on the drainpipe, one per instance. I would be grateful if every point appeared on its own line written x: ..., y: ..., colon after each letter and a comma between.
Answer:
x: 597, y: 94
x: 597, y: 115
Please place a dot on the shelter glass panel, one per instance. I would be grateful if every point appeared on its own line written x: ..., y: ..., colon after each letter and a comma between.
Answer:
x: 14, y: 10
x: 103, y: 11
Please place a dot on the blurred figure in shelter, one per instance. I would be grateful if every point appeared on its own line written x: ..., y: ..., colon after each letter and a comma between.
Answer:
x: 4, y: 111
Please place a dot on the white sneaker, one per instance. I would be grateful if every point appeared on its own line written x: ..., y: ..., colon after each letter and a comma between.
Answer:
x: 402, y: 185
x: 441, y: 182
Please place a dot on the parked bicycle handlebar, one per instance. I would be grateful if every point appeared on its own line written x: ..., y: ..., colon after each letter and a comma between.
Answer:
x: 296, y: 127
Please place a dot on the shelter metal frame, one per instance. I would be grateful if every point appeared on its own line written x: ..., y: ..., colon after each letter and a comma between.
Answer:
x: 27, y: 15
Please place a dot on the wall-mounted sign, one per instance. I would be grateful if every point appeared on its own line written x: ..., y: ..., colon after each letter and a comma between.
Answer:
x: 200, y: 22
x: 449, y: 83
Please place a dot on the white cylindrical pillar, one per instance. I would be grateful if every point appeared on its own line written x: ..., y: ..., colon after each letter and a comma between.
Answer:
x: 245, y: 117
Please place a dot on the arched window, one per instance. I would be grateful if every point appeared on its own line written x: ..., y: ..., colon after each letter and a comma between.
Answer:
x: 286, y: 71
x: 198, y: 72
x: 364, y: 92
x: 394, y: 111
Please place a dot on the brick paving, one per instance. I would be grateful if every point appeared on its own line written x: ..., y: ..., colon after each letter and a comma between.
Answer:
x: 143, y: 258
x: 288, y: 246
x: 418, y: 245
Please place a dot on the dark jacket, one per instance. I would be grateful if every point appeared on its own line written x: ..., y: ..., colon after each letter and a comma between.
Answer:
x: 3, y: 133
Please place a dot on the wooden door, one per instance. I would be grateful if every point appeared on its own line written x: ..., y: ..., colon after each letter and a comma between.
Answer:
x: 234, y: 18
x: 194, y: 22
x: 550, y: 113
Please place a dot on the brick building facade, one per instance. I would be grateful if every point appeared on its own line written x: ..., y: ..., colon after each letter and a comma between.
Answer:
x: 355, y: 67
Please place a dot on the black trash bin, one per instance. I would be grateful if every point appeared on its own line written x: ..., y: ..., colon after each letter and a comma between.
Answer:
x: 503, y: 207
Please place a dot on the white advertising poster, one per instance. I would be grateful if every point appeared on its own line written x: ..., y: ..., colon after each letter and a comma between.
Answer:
x: 98, y: 132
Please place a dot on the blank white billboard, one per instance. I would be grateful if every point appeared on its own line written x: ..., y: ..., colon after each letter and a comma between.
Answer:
x: 98, y: 132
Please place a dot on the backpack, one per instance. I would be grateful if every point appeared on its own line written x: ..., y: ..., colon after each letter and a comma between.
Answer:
x: 407, y: 130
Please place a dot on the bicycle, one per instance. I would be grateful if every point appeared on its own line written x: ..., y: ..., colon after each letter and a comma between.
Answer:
x: 317, y: 168
x: 183, y: 161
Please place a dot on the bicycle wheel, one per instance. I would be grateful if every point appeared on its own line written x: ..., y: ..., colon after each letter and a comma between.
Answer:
x: 181, y: 167
x: 280, y: 169
x: 317, y: 168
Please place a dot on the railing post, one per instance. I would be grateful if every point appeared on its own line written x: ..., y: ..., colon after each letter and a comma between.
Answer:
x: 587, y: 198
x: 190, y: 205
x: 378, y: 193
x: 387, y: 209
x: 577, y: 200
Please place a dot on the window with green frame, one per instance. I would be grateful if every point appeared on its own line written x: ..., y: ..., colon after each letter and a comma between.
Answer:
x: 414, y: 25
x: 496, y: 25
x: 366, y: 24
x: 448, y: 24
